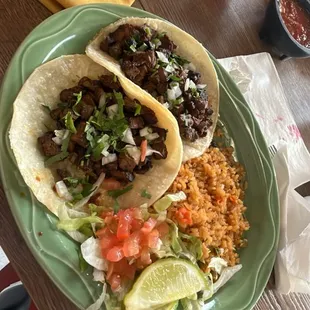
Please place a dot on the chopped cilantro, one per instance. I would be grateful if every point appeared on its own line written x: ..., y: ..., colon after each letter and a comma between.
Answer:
x: 46, y: 108
x: 146, y: 194
x: 114, y: 78
x: 174, y: 78
x: 65, y: 143
x: 72, y: 181
x: 116, y: 206
x: 162, y: 34
x: 147, y: 31
x: 142, y: 47
x: 86, y: 230
x: 178, y: 59
x: 54, y: 159
x: 138, y: 109
x: 120, y: 102
x: 119, y: 192
x: 69, y: 122
x: 78, y: 99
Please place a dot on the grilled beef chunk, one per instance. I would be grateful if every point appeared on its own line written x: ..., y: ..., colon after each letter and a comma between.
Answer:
x: 126, y: 162
x: 79, y: 137
x: 161, y: 132
x: 194, y: 76
x: 59, y: 113
x: 161, y: 148
x: 110, y: 82
x: 144, y: 167
x: 122, y: 176
x: 63, y: 173
x: 86, y: 107
x: 136, y: 122
x: 148, y: 116
x: 68, y: 95
x: 48, y: 146
x: 129, y: 105
x: 167, y: 44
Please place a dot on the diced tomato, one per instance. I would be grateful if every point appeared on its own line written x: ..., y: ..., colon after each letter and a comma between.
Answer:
x: 184, y: 216
x: 145, y: 257
x: 108, y: 241
x: 123, y: 268
x: 136, y: 224
x: 115, y: 254
x: 143, y: 147
x: 124, y: 224
x: 152, y: 239
x: 110, y: 184
x: 115, y: 282
x: 163, y: 229
x: 131, y: 245
x: 148, y: 225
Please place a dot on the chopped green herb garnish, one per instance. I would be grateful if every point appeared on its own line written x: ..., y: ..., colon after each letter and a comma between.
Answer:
x: 138, y: 109
x: 116, y: 206
x: 142, y: 47
x: 87, y: 189
x: 69, y: 123
x: 120, y: 103
x: 162, y: 34
x: 46, y: 108
x: 82, y: 262
x: 114, y: 78
x: 98, y: 149
x: 178, y: 59
x: 78, y: 99
x: 147, y: 31
x: 174, y: 78
x: 176, y: 102
x: 72, y: 181
x: 119, y: 192
x: 146, y: 194
x: 132, y: 47
x: 156, y: 42
x: 56, y: 158
x: 65, y: 143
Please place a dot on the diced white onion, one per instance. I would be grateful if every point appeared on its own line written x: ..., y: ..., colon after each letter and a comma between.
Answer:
x: 192, y: 85
x: 105, y: 152
x: 169, y: 69
x: 102, y: 100
x: 145, y: 131
x: 201, y: 86
x: 175, y: 91
x: 61, y: 135
x: 162, y: 57
x: 166, y: 105
x: 112, y: 110
x: 62, y: 191
x: 152, y: 136
x: 171, y: 94
x: 134, y: 152
x: 150, y: 151
x: 108, y: 159
x: 128, y: 138
x: 186, y: 85
x: 98, y: 275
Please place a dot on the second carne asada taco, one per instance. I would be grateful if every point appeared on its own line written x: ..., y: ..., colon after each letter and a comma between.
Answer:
x: 170, y: 66
x: 77, y: 129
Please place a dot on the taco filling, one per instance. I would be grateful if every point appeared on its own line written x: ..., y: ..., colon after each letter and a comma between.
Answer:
x: 149, y: 59
x: 100, y: 131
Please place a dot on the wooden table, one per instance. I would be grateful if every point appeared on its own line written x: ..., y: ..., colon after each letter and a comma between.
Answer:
x: 226, y: 28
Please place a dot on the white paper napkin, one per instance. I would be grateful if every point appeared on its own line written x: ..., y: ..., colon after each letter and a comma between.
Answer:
x: 259, y: 82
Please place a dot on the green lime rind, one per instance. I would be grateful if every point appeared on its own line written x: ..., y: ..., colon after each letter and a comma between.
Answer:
x: 164, y: 282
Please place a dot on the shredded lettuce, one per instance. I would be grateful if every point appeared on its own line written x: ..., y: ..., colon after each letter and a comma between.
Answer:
x: 165, y: 202
x: 98, y: 303
x: 226, y: 275
x: 77, y: 223
x: 218, y: 264
x: 91, y: 252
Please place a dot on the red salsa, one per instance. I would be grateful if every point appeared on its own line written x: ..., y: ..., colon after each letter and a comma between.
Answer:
x: 297, y: 21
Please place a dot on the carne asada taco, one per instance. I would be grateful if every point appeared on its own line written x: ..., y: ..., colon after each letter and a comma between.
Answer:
x: 78, y: 129
x: 171, y: 66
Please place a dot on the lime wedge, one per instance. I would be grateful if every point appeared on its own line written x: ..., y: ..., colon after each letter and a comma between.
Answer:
x: 164, y: 282
x: 172, y: 306
x: 164, y: 203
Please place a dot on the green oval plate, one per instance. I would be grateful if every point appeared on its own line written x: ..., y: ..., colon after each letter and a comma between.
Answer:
x: 67, y: 33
